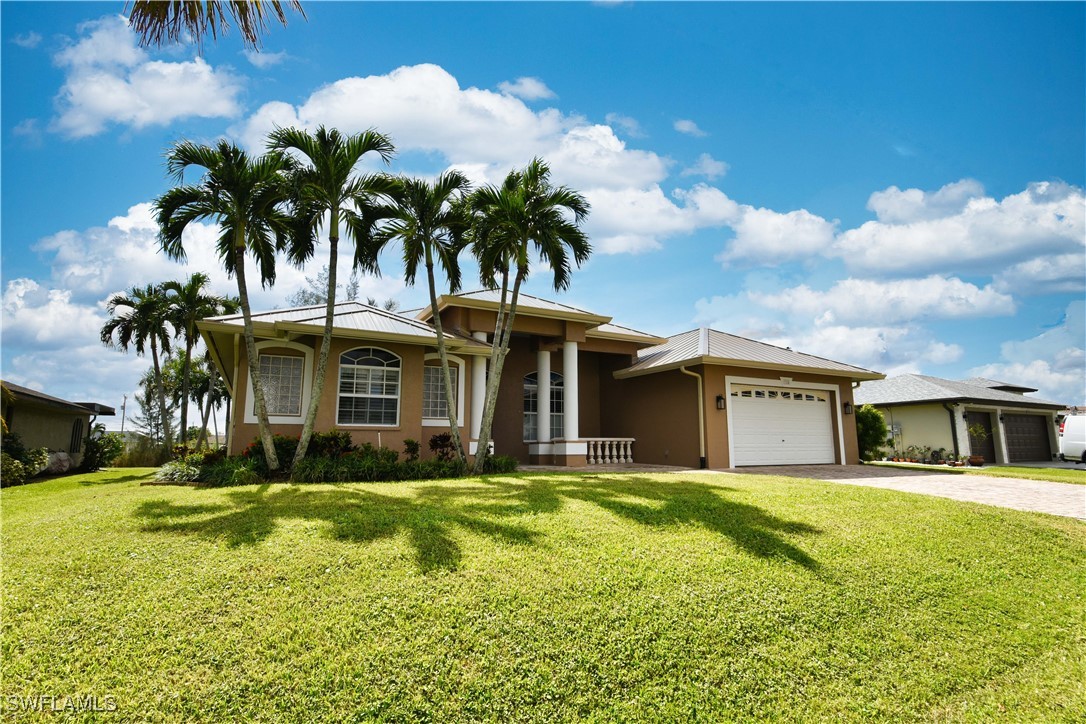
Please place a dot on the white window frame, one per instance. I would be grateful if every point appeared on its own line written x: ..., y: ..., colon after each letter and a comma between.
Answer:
x: 307, y: 383
x: 399, y: 390
x: 458, y: 363
x: 555, y: 377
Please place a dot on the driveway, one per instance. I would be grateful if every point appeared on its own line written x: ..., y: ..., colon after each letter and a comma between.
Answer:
x: 1030, y: 495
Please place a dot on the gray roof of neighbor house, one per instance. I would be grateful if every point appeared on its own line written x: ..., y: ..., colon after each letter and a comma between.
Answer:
x: 997, y: 385
x: 708, y: 346
x: 349, y: 319
x: 40, y: 398
x: 916, y: 389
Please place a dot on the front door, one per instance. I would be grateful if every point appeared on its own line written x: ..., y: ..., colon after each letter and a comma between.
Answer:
x: 981, y: 444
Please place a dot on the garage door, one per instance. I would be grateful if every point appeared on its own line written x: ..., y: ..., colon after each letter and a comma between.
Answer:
x: 776, y: 426
x: 1027, y: 438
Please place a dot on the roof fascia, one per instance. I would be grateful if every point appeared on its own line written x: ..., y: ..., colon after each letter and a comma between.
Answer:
x: 446, y: 300
x: 725, y: 362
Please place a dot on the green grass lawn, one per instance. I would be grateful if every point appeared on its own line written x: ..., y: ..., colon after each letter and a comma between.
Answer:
x: 1055, y: 475
x: 540, y: 597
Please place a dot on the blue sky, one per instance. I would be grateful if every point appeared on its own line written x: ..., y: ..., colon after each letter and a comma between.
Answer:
x: 895, y: 186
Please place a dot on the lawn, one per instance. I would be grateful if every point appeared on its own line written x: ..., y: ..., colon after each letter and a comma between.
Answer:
x: 540, y: 597
x: 1075, y: 476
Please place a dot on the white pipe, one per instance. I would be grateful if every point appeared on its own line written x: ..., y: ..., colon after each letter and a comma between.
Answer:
x: 701, y: 415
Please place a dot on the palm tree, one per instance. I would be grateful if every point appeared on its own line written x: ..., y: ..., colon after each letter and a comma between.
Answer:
x: 429, y: 221
x: 323, y: 183
x: 243, y: 195
x: 142, y: 326
x: 186, y: 304
x: 525, y: 213
x: 159, y: 21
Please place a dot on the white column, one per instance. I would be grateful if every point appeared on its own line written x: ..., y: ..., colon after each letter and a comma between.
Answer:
x: 478, y: 389
x: 572, y: 391
x: 543, y: 418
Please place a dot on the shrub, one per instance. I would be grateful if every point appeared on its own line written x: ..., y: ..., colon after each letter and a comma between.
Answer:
x: 185, y: 470
x: 285, y: 447
x: 441, y: 445
x: 31, y: 460
x: 12, y: 472
x: 100, y: 451
x: 36, y: 460
x: 500, y: 464
x: 870, y: 431
x: 218, y: 471
x: 14, y: 447
x: 144, y: 453
x: 331, y: 444
x: 411, y: 450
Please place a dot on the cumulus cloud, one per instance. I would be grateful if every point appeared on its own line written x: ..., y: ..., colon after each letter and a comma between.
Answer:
x: 635, y: 220
x: 918, y: 232
x: 706, y: 166
x: 768, y: 236
x: 529, y: 89
x: 27, y: 40
x: 689, y: 128
x: 109, y: 79
x: 626, y: 124
x: 263, y: 59
x: 1059, y: 273
x: 1054, y: 361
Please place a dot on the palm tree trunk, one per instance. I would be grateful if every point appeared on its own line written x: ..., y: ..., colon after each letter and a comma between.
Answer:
x: 186, y: 371
x: 450, y: 401
x: 326, y: 339
x: 202, y: 440
x: 161, y: 394
x: 250, y: 351
x: 503, y: 333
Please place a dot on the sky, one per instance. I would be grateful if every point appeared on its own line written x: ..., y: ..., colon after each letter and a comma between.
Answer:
x: 895, y: 186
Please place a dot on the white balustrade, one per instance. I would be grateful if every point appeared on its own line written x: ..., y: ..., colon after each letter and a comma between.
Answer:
x: 609, y: 450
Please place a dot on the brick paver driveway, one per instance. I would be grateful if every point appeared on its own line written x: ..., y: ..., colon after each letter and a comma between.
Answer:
x: 1032, y: 495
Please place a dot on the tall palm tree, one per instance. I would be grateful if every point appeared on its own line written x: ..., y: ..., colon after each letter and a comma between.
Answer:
x: 186, y: 304
x: 525, y: 214
x: 161, y: 21
x: 243, y: 194
x: 324, y: 183
x: 142, y: 324
x: 429, y: 221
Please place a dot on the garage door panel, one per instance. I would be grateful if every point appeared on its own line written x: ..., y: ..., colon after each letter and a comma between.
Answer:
x: 771, y: 429
x: 1027, y: 438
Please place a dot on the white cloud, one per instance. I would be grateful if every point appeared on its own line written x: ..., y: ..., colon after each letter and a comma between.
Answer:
x: 932, y: 233
x: 1053, y: 274
x: 706, y: 166
x: 27, y: 40
x: 529, y: 89
x: 689, y: 128
x: 854, y: 301
x: 627, y: 125
x: 768, y: 236
x: 111, y: 80
x: 635, y: 220
x: 263, y: 59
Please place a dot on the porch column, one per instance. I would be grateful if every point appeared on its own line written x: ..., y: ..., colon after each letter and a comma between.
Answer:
x: 572, y: 391
x: 478, y: 388
x: 543, y: 417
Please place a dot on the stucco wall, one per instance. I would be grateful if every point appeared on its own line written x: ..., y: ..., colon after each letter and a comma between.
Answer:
x: 39, y: 427
x: 924, y: 425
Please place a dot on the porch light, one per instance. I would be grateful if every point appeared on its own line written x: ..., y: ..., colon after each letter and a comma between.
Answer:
x: 720, y: 402
x: 965, y: 415
x: 1001, y: 417
x: 847, y: 408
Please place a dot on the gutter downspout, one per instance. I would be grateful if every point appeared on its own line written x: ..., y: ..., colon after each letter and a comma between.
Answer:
x: 703, y: 351
x: 953, y: 427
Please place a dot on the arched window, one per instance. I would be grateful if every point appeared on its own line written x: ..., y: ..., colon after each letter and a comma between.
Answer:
x: 531, y: 406
x: 369, y: 387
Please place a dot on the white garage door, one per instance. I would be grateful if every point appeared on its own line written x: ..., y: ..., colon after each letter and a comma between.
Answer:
x: 776, y: 426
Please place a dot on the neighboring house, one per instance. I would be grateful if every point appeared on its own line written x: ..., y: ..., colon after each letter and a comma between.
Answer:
x: 42, y: 420
x: 615, y: 394
x: 930, y: 411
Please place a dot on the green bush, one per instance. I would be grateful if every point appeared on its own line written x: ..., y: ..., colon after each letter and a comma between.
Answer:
x: 144, y: 453
x: 500, y: 464
x: 285, y: 447
x: 373, y: 465
x: 100, y: 450
x: 441, y: 445
x: 12, y: 472
x: 333, y: 443
x: 870, y: 431
x: 32, y: 460
x: 185, y: 470
x: 220, y: 472
x: 411, y: 450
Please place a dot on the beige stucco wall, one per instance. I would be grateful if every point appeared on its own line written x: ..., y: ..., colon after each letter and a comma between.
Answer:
x: 924, y: 425
x: 40, y: 427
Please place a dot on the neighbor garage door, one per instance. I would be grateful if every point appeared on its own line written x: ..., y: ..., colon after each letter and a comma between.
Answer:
x: 776, y: 426
x: 1027, y: 438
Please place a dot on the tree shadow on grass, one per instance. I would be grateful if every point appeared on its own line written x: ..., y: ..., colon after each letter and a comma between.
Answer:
x: 431, y: 514
x: 120, y: 479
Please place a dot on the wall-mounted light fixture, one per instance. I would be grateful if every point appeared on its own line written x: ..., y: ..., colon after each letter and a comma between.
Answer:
x: 720, y: 402
x: 1001, y: 417
x: 965, y: 415
x: 847, y: 408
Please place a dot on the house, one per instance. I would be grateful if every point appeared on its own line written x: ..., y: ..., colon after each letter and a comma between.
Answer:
x: 931, y: 411
x: 42, y: 420
x: 615, y: 394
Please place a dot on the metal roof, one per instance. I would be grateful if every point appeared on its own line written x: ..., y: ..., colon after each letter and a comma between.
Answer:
x: 610, y: 330
x: 527, y: 305
x: 350, y: 317
x: 709, y: 346
x: 912, y: 389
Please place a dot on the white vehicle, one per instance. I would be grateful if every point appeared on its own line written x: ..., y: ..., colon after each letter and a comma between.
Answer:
x: 1073, y: 438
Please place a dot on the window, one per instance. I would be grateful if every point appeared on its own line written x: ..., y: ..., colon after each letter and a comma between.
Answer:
x: 281, y: 378
x: 76, y: 443
x: 531, y: 407
x: 369, y: 387
x: 434, y: 405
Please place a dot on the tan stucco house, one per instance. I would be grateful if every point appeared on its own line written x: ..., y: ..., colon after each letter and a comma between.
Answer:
x: 938, y: 413
x: 615, y: 394
x: 42, y: 420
